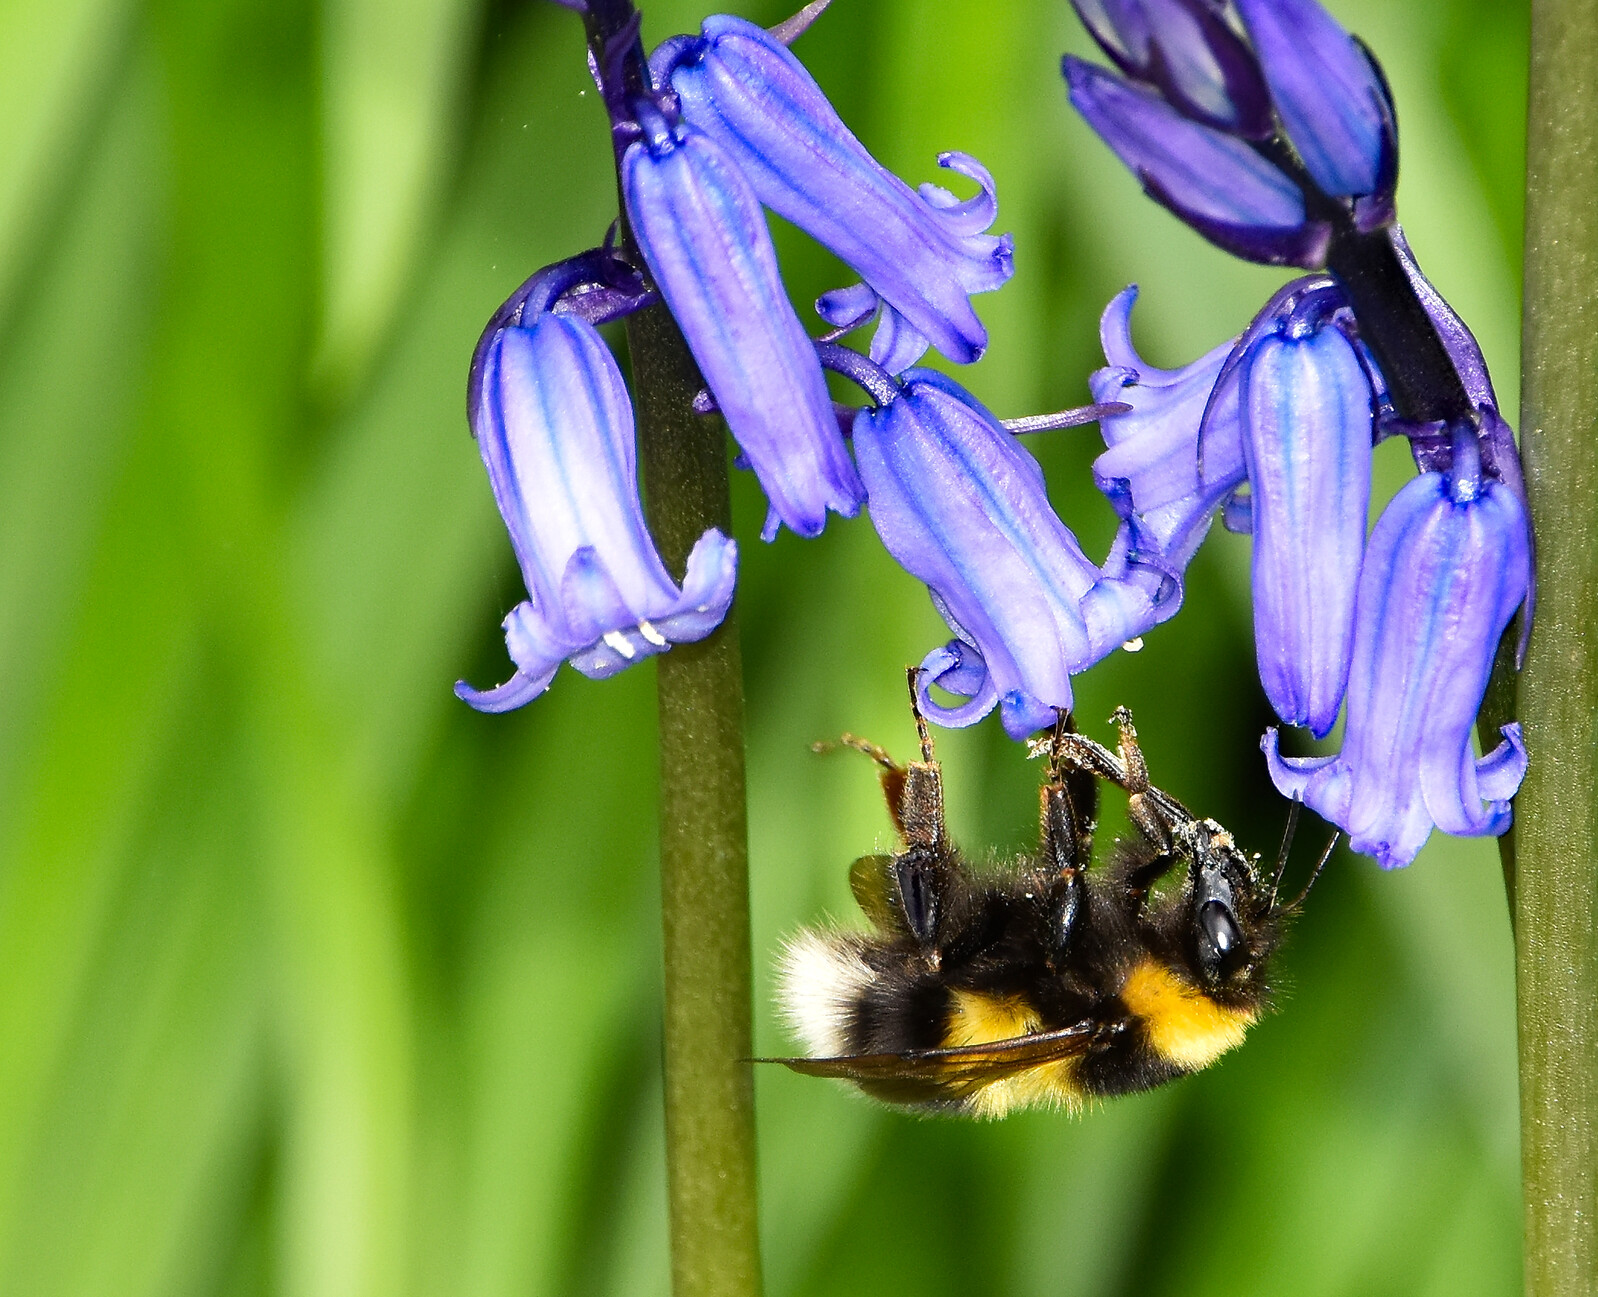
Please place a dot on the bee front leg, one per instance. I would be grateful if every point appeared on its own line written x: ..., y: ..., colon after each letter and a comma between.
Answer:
x: 1155, y: 814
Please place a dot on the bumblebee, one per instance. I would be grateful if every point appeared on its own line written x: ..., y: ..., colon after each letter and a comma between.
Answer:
x: 1038, y: 983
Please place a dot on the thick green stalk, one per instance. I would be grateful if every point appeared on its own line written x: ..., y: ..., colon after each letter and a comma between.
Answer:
x: 1556, y: 850
x: 704, y: 856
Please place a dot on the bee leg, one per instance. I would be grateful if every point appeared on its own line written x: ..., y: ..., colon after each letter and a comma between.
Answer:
x: 1068, y: 808
x: 1069, y: 803
x: 919, y: 814
x: 920, y: 876
x: 1155, y: 814
x: 921, y: 869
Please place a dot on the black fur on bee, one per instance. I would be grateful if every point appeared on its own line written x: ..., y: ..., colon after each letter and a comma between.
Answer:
x: 1041, y: 981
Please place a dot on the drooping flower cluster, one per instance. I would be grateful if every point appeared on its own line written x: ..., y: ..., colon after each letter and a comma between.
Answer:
x: 1269, y: 130
x: 1260, y: 123
x: 709, y: 131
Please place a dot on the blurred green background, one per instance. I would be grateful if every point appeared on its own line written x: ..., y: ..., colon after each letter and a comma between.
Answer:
x: 313, y: 982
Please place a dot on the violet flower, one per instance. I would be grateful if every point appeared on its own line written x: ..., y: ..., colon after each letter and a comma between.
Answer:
x: 923, y: 254
x: 1327, y: 92
x: 701, y: 231
x: 1186, y: 50
x: 1446, y: 567
x: 555, y: 429
x: 1276, y: 427
x: 961, y: 505
x: 1153, y: 469
x: 1271, y: 178
x: 1305, y: 411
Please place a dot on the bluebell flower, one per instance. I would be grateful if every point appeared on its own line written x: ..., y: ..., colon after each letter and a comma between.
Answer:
x: 1188, y: 119
x: 1216, y: 182
x: 923, y: 254
x: 1446, y: 567
x: 1275, y: 428
x: 961, y: 505
x: 555, y: 428
x: 1305, y: 412
x: 1176, y: 455
x: 704, y: 237
x: 1288, y: 409
x: 1327, y: 92
x: 1186, y: 50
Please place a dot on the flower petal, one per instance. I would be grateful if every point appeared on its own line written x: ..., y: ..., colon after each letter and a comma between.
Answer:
x: 556, y: 433
x: 923, y: 256
x: 1444, y: 571
x: 958, y: 668
x: 961, y: 505
x: 1190, y: 167
x: 1186, y: 49
x: 1152, y: 468
x: 1307, y: 431
x: 516, y: 692
x: 555, y: 429
x: 705, y: 240
x: 1326, y: 91
x: 707, y: 590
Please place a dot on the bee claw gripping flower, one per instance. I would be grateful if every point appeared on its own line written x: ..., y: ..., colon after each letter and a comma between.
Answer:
x: 555, y: 428
x: 1447, y: 565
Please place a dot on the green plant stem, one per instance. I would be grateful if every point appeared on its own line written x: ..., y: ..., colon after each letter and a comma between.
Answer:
x: 1556, y: 902
x: 704, y: 857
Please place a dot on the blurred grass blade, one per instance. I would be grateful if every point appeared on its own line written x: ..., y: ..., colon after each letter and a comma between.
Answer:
x: 392, y: 73
x: 56, y: 56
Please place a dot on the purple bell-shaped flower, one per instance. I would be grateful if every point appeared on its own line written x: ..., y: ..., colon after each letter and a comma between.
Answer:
x: 704, y: 237
x: 1153, y: 468
x: 1305, y: 413
x: 1445, y: 569
x: 555, y: 429
x: 961, y: 505
x: 923, y: 254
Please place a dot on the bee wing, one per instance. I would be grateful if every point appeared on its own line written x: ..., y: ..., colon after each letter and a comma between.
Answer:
x: 963, y: 1065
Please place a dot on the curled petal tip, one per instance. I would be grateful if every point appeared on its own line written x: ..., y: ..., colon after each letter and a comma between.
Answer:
x: 956, y: 668
x: 516, y: 692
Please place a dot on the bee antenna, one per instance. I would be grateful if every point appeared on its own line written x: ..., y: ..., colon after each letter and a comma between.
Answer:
x: 1293, y: 808
x: 1319, y: 865
x: 913, y: 679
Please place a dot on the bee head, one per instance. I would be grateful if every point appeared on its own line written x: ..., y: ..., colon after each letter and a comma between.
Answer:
x: 1232, y: 919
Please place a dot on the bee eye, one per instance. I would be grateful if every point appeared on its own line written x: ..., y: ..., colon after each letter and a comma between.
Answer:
x: 1220, y: 941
